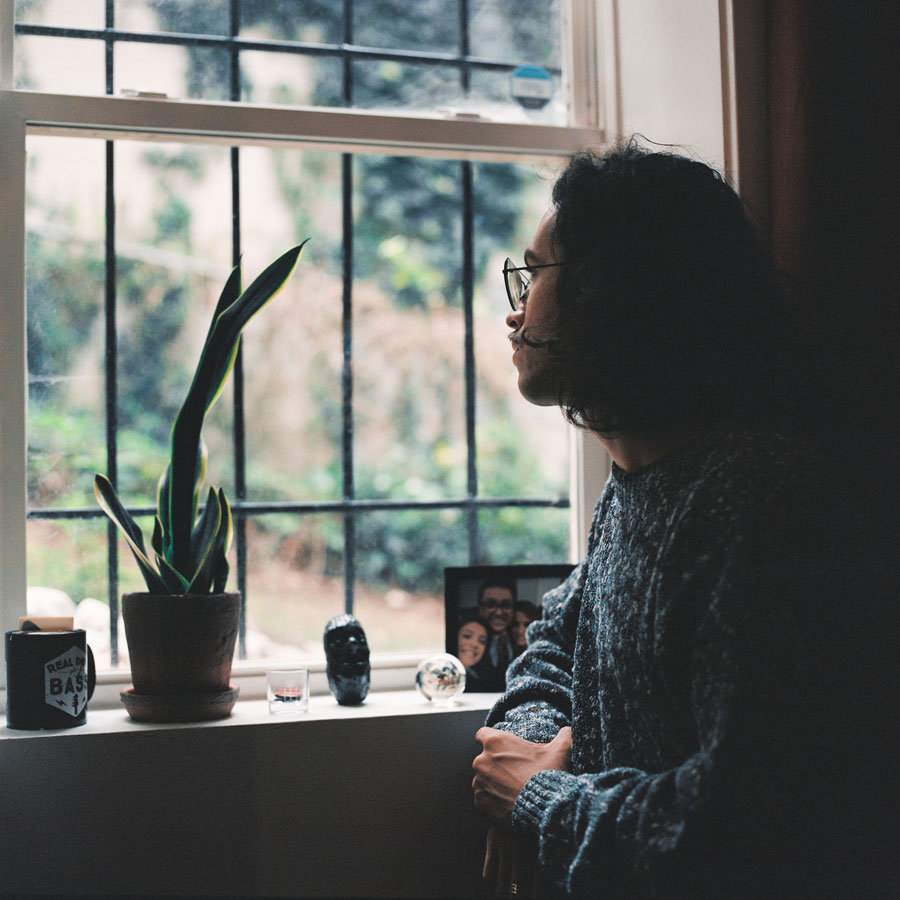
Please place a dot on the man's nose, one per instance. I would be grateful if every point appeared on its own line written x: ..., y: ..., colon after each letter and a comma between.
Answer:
x: 514, y: 319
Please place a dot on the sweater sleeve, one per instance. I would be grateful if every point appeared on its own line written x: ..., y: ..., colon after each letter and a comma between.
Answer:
x: 732, y: 594
x: 538, y: 700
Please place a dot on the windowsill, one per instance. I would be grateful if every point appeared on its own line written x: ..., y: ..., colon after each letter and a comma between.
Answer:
x: 255, y: 713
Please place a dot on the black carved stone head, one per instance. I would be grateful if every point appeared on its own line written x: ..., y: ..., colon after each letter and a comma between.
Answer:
x: 347, y: 656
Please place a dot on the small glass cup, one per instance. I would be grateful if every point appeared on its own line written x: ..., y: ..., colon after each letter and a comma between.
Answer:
x: 287, y: 691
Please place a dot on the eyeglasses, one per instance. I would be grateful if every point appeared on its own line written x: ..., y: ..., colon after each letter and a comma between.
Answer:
x: 517, y: 283
x: 497, y: 604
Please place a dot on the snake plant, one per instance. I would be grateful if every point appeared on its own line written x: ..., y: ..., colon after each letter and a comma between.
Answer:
x: 189, y: 545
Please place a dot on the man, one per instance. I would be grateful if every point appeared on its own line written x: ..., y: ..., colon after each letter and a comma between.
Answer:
x: 496, y: 605
x: 684, y: 722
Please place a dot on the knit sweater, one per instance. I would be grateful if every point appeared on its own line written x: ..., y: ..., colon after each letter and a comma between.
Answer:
x: 695, y: 654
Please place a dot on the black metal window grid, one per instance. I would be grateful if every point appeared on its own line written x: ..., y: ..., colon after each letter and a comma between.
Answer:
x: 350, y: 505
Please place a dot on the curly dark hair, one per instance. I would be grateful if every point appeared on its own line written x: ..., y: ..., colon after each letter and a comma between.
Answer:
x: 671, y: 313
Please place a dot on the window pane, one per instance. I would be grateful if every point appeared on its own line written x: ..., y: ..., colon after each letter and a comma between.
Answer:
x: 66, y: 65
x: 524, y: 32
x: 293, y: 353
x: 387, y: 84
x: 67, y: 577
x: 310, y: 21
x: 173, y: 245
x: 409, y: 337
x: 504, y: 33
x: 490, y: 93
x: 292, y: 79
x: 64, y: 299
x: 68, y: 555
x: 197, y: 73
x: 295, y: 582
x: 517, y: 535
x: 62, y: 13
x: 208, y: 17
x: 427, y: 25
x: 400, y: 575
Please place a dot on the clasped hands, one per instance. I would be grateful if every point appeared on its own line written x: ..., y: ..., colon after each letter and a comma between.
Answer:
x: 505, y: 763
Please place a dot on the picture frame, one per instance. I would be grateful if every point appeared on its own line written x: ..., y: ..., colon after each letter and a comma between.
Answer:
x: 475, y: 633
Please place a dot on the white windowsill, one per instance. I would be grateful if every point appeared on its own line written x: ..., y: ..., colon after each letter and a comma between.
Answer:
x: 255, y: 713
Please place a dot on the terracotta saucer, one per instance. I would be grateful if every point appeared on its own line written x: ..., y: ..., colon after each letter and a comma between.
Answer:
x: 179, y: 708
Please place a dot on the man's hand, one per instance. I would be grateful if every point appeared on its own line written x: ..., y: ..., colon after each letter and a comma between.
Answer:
x: 506, y: 762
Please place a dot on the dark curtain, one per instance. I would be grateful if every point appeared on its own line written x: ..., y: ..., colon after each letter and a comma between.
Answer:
x: 834, y: 208
x: 833, y: 139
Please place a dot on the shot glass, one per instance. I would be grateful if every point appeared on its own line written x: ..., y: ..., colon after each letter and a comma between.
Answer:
x: 287, y: 691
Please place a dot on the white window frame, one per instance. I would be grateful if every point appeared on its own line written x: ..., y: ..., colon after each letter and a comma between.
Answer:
x: 25, y: 113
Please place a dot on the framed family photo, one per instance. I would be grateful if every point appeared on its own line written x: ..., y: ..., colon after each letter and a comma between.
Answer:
x: 487, y: 610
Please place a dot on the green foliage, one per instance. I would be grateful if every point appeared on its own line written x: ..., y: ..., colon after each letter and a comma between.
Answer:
x: 409, y: 211
x: 154, y: 304
x: 58, y: 331
x: 70, y: 555
x: 64, y: 448
x: 154, y: 307
x: 190, y: 549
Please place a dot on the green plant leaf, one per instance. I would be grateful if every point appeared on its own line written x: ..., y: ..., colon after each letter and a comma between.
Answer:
x: 109, y: 502
x: 175, y: 581
x: 204, y: 534
x: 216, y: 362
x: 163, y: 497
x: 230, y: 293
x: 221, y: 568
x: 212, y: 542
x: 156, y: 541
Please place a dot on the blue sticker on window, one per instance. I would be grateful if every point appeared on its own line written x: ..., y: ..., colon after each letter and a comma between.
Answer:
x: 532, y: 86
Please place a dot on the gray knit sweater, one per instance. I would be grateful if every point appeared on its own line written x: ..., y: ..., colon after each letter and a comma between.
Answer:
x: 694, y: 653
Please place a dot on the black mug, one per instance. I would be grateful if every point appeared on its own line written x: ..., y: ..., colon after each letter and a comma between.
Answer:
x: 50, y: 676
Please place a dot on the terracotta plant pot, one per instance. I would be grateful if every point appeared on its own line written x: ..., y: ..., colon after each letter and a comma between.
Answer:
x: 181, y: 648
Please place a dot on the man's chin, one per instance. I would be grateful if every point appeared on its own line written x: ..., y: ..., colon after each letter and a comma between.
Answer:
x: 536, y: 390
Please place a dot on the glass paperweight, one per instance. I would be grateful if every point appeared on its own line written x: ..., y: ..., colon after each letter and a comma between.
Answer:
x: 441, y: 678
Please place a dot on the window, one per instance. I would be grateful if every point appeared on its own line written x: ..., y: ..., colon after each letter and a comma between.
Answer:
x: 372, y: 433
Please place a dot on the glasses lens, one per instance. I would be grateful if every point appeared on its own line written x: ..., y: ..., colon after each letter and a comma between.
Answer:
x: 514, y: 284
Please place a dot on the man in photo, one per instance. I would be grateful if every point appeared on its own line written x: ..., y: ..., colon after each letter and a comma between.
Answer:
x: 496, y: 605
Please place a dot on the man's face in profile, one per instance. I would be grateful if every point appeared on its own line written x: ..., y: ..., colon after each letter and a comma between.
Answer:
x: 537, y: 316
x: 496, y: 607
